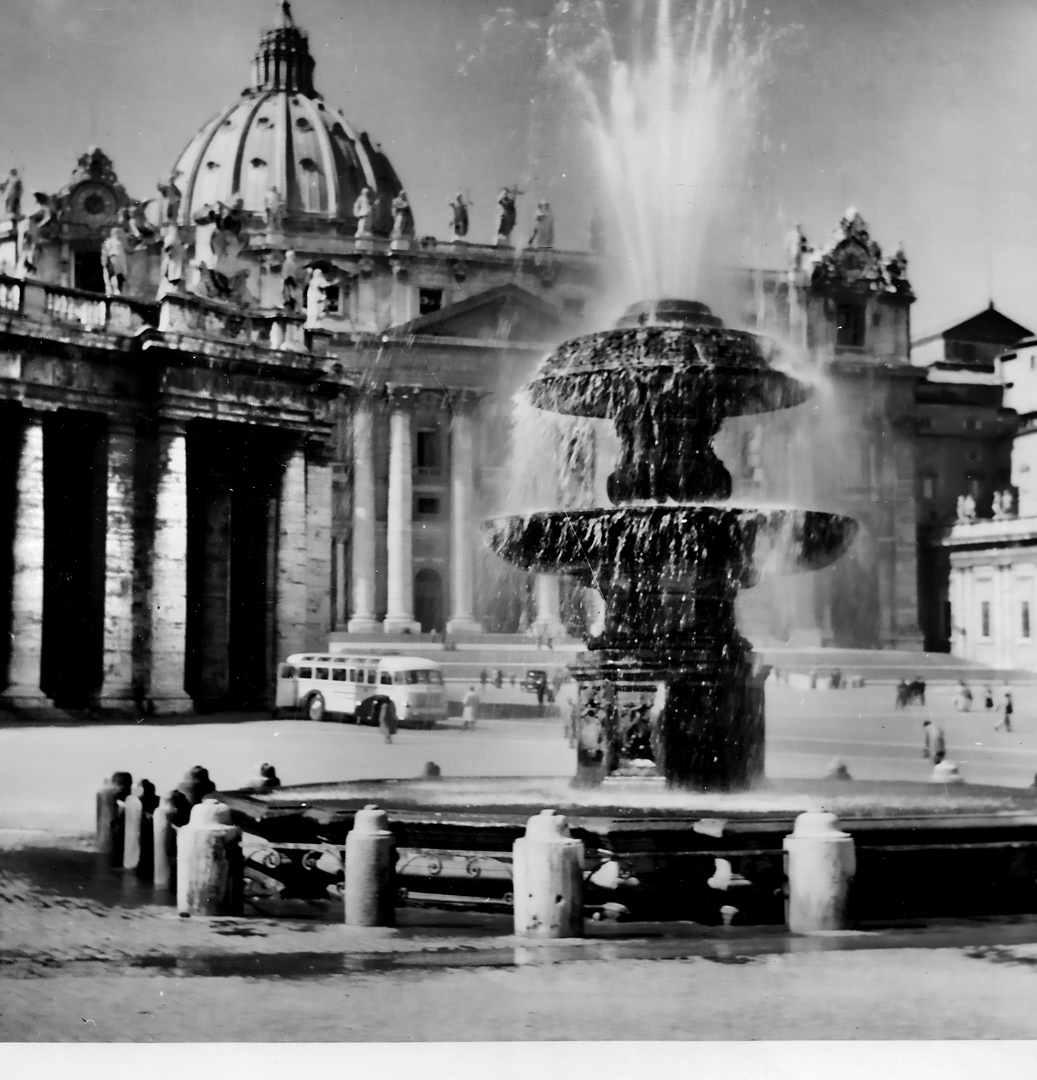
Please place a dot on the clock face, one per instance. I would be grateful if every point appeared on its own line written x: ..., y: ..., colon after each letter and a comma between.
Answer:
x: 94, y: 204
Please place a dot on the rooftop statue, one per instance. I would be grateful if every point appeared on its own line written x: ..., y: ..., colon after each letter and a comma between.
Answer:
x: 317, y: 296
x: 402, y: 218
x: 291, y: 281
x: 115, y: 261
x: 363, y: 211
x: 12, y: 190
x: 506, y: 215
x: 174, y: 259
x: 172, y: 197
x: 543, y: 235
x: 223, y: 276
x: 459, y: 219
x: 273, y: 209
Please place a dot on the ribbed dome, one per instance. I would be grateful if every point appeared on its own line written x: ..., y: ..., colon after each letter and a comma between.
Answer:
x: 281, y: 134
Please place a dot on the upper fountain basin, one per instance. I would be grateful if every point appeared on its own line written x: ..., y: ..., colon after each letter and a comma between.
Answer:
x: 671, y: 539
x: 671, y: 356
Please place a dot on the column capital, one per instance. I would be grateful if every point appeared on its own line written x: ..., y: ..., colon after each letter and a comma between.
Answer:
x: 402, y: 396
x: 171, y: 425
x: 464, y: 402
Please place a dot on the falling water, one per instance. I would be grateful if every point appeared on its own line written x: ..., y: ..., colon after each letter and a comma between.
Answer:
x: 671, y: 118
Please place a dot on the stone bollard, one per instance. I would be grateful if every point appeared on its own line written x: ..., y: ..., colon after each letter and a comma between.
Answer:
x: 209, y: 864
x: 548, y: 879
x: 946, y: 772
x: 196, y: 785
x: 170, y: 814
x: 110, y: 827
x: 821, y: 862
x: 370, y: 889
x: 266, y: 778
x: 137, y: 829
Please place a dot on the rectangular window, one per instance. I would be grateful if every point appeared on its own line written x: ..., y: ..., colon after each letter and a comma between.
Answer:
x: 386, y: 679
x: 287, y: 671
x: 338, y: 674
x: 372, y: 677
x: 1024, y: 613
x: 849, y: 325
x: 984, y: 619
x: 305, y: 673
x: 426, y: 506
x: 322, y: 674
x: 429, y: 300
x: 928, y: 488
x: 426, y: 449
x: 333, y: 300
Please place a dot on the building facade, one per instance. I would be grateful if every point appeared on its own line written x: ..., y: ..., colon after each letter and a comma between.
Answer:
x: 265, y: 408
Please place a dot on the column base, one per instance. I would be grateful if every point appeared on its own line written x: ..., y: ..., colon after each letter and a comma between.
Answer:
x: 363, y: 624
x: 464, y: 624
x: 25, y: 697
x: 123, y: 703
x: 171, y: 706
x: 400, y: 624
x: 549, y: 628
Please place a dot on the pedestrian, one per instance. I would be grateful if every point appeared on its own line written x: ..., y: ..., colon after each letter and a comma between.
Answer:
x: 483, y: 677
x: 469, y: 710
x: 513, y: 679
x: 541, y: 691
x: 902, y: 690
x: 988, y: 698
x: 1006, y: 709
x: 963, y: 698
x: 935, y: 742
x: 498, y: 678
x: 385, y: 712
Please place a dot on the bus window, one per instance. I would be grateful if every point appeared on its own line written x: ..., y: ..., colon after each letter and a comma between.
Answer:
x: 356, y: 674
x: 305, y: 673
x: 338, y: 674
x: 287, y: 671
x: 321, y: 673
x: 386, y: 679
x: 401, y: 678
x: 372, y: 676
x: 436, y: 678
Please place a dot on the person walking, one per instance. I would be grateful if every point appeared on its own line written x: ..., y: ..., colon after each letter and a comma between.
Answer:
x: 963, y: 698
x: 1006, y: 708
x: 386, y: 716
x: 483, y: 678
x: 988, y: 698
x: 469, y: 710
x: 935, y: 742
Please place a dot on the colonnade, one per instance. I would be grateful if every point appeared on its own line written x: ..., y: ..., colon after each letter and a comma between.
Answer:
x: 399, y: 608
x: 145, y: 569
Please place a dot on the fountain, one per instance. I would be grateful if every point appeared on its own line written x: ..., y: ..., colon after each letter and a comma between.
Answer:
x: 672, y: 689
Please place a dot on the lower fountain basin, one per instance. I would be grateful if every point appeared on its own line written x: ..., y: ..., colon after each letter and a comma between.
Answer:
x: 707, y: 538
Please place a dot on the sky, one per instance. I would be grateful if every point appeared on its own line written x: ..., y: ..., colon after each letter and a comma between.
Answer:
x: 918, y: 112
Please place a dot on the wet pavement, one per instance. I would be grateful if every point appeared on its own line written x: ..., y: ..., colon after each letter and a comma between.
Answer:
x: 87, y: 953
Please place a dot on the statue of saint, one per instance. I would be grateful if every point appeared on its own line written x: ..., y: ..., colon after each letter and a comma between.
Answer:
x: 291, y: 280
x: 12, y: 189
x: 172, y: 197
x: 402, y: 218
x: 363, y: 211
x: 506, y: 215
x: 459, y: 219
x: 797, y: 248
x: 273, y: 209
x: 1008, y: 502
x: 543, y: 235
x: 316, y: 296
x: 114, y: 261
x: 173, y: 258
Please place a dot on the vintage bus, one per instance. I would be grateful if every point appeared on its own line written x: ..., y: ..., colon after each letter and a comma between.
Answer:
x: 335, y: 686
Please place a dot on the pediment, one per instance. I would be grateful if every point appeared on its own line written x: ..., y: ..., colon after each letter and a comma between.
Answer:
x: 504, y: 313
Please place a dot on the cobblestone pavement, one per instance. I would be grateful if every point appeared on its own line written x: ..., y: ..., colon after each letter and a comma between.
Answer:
x: 86, y: 955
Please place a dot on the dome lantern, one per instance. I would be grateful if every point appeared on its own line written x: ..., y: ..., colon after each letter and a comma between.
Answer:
x: 283, y: 61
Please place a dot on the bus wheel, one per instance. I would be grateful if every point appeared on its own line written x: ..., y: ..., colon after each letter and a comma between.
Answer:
x: 315, y: 707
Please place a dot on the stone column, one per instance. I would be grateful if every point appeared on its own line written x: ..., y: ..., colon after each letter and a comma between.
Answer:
x: 24, y: 671
x: 970, y: 612
x: 363, y: 621
x: 117, y: 682
x: 462, y: 547
x: 169, y: 573
x: 318, y: 547
x: 292, y: 555
x: 399, y: 614
x: 547, y: 621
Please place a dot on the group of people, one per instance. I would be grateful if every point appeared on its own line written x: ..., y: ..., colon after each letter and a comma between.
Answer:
x: 963, y: 703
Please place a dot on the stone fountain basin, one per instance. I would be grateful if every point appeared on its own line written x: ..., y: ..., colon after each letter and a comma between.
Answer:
x: 677, y: 371
x: 707, y: 538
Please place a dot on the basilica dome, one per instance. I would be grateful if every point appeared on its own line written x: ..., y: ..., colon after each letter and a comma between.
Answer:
x: 281, y: 135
